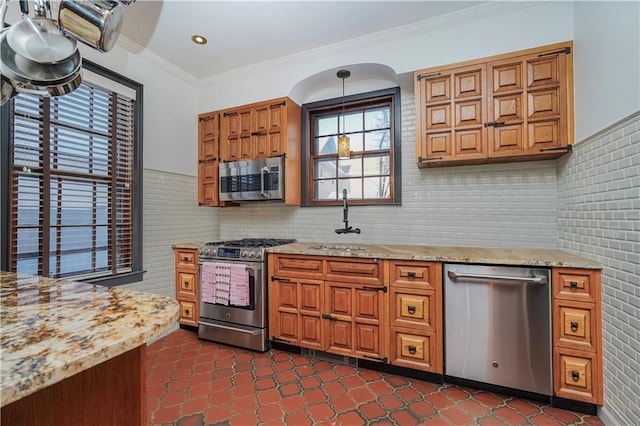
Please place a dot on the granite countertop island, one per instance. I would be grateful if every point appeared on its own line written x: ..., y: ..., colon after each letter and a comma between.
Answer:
x: 480, y: 255
x: 54, y: 329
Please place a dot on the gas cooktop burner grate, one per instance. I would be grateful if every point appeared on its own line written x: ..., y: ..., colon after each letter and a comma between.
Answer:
x: 253, y: 242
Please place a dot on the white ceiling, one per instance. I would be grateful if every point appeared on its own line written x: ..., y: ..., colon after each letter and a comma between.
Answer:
x: 243, y: 33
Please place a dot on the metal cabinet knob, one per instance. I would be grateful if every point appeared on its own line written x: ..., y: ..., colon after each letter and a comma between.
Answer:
x: 185, y: 258
x: 411, y: 274
x: 573, y: 285
x: 412, y: 349
x: 574, y: 326
x: 186, y: 284
x: 575, y: 375
x: 411, y: 309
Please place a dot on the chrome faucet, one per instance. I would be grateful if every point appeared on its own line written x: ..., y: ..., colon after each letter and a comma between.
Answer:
x: 345, y: 213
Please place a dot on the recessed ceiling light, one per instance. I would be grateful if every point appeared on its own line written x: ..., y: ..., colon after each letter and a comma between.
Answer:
x: 198, y: 39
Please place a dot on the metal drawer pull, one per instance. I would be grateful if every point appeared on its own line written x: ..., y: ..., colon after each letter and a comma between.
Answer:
x: 186, y: 284
x: 573, y: 284
x: 185, y: 258
x: 274, y: 278
x: 412, y: 349
x: 411, y: 274
x: 575, y: 376
x: 534, y: 280
x: 411, y: 309
x: 187, y: 312
x: 328, y: 316
x: 574, y: 326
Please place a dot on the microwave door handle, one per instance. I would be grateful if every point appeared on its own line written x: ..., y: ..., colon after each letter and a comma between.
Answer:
x: 263, y: 171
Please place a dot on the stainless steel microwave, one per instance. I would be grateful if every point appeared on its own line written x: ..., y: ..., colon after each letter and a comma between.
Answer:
x: 253, y: 180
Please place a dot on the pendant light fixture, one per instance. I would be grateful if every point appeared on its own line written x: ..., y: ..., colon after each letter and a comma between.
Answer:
x: 344, y: 148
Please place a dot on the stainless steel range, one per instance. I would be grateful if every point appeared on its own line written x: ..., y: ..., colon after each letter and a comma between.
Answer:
x: 233, y: 292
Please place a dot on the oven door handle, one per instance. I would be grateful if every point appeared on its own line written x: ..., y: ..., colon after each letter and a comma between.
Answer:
x: 263, y: 171
x: 251, y: 332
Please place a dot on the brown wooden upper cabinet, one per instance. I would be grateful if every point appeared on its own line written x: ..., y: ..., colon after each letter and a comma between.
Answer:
x: 511, y: 107
x: 263, y: 129
x: 208, y: 143
x: 260, y: 130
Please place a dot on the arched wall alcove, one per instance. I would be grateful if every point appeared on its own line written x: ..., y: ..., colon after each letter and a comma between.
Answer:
x: 326, y: 84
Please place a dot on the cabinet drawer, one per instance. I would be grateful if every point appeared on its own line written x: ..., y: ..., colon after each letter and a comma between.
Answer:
x: 575, y: 325
x: 187, y: 284
x: 415, y: 274
x: 186, y: 258
x: 576, y: 376
x: 296, y: 266
x: 361, y: 271
x: 188, y: 312
x: 413, y: 350
x: 413, y: 308
x: 576, y: 284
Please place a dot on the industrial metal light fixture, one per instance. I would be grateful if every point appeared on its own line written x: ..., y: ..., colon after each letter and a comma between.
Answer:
x: 344, y: 146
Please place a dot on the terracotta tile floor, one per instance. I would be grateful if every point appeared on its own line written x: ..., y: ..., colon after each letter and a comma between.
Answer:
x: 196, y: 382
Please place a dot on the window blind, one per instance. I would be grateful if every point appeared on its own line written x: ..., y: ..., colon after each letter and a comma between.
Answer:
x: 71, y: 183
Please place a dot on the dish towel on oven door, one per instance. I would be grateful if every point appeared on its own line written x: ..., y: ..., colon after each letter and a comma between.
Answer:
x: 224, y: 284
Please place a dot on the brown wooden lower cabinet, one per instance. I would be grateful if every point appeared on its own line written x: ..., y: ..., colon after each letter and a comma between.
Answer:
x: 113, y: 392
x: 391, y: 311
x: 186, y: 284
x: 577, y: 335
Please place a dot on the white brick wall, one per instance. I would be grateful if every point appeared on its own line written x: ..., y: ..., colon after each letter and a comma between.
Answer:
x: 488, y: 205
x: 599, y: 217
x: 170, y: 215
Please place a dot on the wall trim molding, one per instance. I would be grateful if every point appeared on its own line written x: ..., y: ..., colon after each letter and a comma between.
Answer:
x: 609, y: 129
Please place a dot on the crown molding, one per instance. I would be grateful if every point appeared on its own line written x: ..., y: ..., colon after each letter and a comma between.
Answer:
x: 137, y: 49
x: 481, y: 11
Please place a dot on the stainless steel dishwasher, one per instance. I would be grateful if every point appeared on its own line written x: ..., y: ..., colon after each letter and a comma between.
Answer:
x: 498, y: 326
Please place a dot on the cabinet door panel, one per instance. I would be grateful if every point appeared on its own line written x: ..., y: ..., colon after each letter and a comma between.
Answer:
x: 288, y: 294
x: 288, y: 326
x: 275, y: 118
x: 437, y: 89
x: 507, y: 140
x: 311, y: 332
x: 367, y: 305
x: 543, y: 105
x: 439, y: 145
x: 340, y: 301
x: 468, y: 113
x: 262, y: 145
x: 339, y: 337
x: 310, y: 297
x: 275, y: 144
x: 543, y: 71
x: 367, y: 340
x: 542, y: 135
x: 507, y: 77
x: 438, y: 117
x: 261, y: 121
x: 468, y: 83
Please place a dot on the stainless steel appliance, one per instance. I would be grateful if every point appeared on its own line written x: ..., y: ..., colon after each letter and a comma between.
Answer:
x: 253, y: 180
x: 498, y: 326
x: 239, y: 324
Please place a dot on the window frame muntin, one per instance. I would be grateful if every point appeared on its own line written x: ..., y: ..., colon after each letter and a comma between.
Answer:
x: 137, y: 271
x: 362, y: 100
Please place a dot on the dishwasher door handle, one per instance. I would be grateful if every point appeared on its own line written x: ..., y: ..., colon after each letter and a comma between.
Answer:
x: 529, y: 280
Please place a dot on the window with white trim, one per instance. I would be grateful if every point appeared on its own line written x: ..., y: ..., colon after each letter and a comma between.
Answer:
x: 74, y: 183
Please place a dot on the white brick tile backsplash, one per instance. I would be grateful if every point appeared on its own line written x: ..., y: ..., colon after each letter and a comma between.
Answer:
x: 170, y: 215
x: 598, y: 216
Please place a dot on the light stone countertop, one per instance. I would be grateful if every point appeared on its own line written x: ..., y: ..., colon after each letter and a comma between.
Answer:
x: 194, y: 245
x: 481, y: 255
x: 52, y: 328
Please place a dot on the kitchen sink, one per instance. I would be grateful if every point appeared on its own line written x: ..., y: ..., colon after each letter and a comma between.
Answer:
x: 338, y: 247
